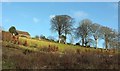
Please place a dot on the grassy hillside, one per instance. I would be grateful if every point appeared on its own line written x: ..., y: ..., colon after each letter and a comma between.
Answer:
x: 43, y: 54
x: 37, y: 44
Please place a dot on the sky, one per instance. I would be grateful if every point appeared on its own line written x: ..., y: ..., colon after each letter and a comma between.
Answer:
x: 59, y: 0
x: 34, y: 17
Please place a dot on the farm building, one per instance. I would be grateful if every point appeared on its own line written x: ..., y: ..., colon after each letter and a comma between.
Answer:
x: 7, y: 36
x: 23, y: 34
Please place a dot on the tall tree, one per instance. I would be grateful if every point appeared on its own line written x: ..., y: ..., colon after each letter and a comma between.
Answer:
x: 57, y: 25
x: 83, y: 30
x: 61, y: 24
x: 95, y: 30
x: 107, y: 33
x: 114, y: 39
x: 67, y: 25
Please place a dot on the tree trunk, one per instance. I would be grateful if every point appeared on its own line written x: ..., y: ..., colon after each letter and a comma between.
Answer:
x: 106, y: 43
x: 59, y: 39
x: 65, y: 38
x: 65, y: 41
x: 59, y: 33
x: 86, y: 42
x: 96, y: 40
x: 82, y: 41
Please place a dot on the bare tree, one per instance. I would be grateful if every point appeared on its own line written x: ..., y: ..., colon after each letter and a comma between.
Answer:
x: 95, y: 30
x: 83, y: 30
x: 107, y: 33
x: 67, y: 25
x: 57, y: 25
x: 114, y: 39
x: 61, y: 24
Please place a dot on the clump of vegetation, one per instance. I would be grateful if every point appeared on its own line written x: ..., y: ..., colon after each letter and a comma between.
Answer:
x: 25, y: 43
x: 34, y: 45
x: 10, y: 45
x: 13, y: 31
x: 50, y: 48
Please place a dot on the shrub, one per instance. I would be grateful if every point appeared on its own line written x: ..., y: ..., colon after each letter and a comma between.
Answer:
x: 21, y: 61
x: 25, y: 43
x: 42, y: 37
x: 10, y: 45
x: 19, y: 43
x: 27, y: 51
x: 36, y: 37
x: 78, y: 51
x: 34, y: 45
x: 50, y: 48
x: 77, y: 43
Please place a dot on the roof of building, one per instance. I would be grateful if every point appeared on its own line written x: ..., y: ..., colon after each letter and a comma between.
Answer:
x: 23, y: 32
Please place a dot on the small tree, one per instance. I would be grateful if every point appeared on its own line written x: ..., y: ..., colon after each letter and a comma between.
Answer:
x: 37, y: 37
x: 42, y: 37
x: 13, y: 31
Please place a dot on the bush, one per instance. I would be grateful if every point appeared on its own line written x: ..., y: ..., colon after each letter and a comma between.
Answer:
x: 77, y: 43
x: 34, y: 45
x: 50, y: 48
x: 27, y: 51
x: 10, y: 45
x: 42, y: 37
x: 36, y: 37
x: 25, y: 43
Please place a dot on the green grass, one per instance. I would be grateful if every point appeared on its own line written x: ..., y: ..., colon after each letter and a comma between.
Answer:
x: 43, y: 43
x: 61, y: 47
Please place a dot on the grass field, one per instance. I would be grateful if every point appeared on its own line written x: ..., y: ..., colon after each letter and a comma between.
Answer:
x: 32, y: 56
x: 44, y: 43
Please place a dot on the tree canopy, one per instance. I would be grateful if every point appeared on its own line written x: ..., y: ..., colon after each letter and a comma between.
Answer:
x: 13, y: 31
x: 62, y: 24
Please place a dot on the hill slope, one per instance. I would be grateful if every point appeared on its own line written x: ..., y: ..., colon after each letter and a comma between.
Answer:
x: 44, y: 43
x: 42, y: 54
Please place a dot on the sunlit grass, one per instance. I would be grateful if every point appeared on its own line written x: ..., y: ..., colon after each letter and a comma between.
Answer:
x: 61, y: 47
x: 43, y: 43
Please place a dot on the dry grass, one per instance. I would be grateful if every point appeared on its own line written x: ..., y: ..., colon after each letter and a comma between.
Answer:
x: 14, y: 58
x: 35, y: 54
